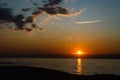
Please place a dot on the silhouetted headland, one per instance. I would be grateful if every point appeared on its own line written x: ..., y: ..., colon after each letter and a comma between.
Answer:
x: 33, y: 73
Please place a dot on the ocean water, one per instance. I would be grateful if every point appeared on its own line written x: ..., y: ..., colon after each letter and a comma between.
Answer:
x: 69, y: 65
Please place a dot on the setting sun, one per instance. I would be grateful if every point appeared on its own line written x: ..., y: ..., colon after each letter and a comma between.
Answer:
x: 79, y: 52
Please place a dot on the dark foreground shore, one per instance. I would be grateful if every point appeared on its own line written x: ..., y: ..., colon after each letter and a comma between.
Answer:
x: 32, y: 73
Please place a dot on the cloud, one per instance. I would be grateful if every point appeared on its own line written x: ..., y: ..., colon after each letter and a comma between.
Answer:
x: 50, y: 7
x: 74, y: 13
x: 88, y: 22
x: 5, y: 14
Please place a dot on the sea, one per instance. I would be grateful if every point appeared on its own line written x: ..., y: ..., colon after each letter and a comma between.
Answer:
x: 70, y: 65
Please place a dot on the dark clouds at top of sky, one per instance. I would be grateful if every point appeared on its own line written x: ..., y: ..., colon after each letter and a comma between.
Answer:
x: 5, y: 14
x: 51, y: 7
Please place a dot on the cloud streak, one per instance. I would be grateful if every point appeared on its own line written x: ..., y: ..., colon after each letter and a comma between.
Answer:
x: 88, y: 22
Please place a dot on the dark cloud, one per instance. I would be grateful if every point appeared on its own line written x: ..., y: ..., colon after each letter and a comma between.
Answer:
x: 6, y: 14
x: 55, y: 10
x: 25, y: 9
x: 33, y: 25
x: 51, y: 7
x: 19, y: 20
x: 29, y: 19
x: 37, y: 11
x: 55, y: 1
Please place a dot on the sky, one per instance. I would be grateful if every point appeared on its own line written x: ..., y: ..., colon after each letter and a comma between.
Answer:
x: 59, y: 26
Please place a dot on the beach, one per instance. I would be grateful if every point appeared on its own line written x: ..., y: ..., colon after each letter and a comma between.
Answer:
x: 34, y: 73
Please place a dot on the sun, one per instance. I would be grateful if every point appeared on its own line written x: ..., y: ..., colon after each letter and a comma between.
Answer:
x: 79, y: 52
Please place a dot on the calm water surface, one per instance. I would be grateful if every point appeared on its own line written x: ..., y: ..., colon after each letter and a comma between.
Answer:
x: 71, y: 65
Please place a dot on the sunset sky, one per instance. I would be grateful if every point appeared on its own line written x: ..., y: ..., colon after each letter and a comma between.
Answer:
x: 92, y: 26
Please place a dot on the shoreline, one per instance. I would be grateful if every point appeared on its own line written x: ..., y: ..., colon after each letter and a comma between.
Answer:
x: 34, y: 73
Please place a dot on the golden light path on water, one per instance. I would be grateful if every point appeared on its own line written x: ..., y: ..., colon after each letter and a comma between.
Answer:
x: 79, y: 66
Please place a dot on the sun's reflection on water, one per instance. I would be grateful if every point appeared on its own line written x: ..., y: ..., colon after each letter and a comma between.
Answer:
x: 78, y: 66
